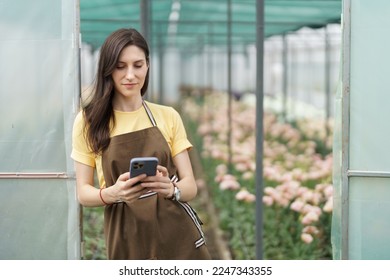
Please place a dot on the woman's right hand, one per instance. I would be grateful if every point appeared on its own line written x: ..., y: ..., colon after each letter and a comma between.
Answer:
x: 127, y: 189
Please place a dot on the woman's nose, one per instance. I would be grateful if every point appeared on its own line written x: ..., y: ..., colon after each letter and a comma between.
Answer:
x: 129, y: 73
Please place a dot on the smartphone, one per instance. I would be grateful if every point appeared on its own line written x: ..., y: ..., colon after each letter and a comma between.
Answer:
x: 143, y: 165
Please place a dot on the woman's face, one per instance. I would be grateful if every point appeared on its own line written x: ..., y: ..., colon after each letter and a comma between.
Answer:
x: 130, y: 72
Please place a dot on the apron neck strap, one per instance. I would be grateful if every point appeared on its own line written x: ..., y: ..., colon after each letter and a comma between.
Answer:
x: 150, y: 115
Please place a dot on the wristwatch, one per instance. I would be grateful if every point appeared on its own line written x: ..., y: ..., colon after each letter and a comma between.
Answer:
x: 176, y: 192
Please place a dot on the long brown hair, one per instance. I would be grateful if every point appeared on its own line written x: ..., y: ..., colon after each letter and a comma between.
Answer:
x: 99, y: 111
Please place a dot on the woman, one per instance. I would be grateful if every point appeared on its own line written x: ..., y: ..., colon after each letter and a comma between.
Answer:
x: 145, y: 217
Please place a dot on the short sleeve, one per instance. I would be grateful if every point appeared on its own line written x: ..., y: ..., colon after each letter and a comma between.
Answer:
x: 80, y: 149
x: 180, y: 141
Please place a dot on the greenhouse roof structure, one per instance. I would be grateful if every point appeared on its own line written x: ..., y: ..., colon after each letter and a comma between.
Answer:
x: 188, y: 23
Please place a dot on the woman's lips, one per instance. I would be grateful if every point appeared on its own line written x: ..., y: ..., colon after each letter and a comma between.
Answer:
x: 132, y: 85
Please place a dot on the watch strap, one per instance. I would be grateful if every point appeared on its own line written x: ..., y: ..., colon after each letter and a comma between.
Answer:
x: 176, y: 192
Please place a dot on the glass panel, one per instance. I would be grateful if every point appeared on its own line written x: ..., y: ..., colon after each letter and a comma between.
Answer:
x: 39, y: 87
x: 28, y: 20
x: 369, y: 86
x: 369, y: 203
x: 32, y: 128
x: 369, y: 223
x: 33, y: 219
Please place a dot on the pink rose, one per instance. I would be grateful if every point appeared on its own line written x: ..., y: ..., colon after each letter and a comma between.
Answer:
x: 267, y: 200
x: 250, y: 198
x: 309, y: 218
x: 328, y: 207
x: 297, y: 205
x: 241, y: 195
x: 307, y: 238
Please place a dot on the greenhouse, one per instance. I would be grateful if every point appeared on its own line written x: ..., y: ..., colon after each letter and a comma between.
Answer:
x: 283, y: 102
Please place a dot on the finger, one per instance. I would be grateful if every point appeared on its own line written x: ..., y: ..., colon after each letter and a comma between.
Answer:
x: 163, y: 188
x: 135, y: 180
x: 124, y: 176
x: 163, y: 170
x: 158, y: 179
x: 137, y: 188
x: 132, y: 193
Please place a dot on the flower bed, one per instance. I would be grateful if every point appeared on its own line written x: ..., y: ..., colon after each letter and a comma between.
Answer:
x: 297, y: 173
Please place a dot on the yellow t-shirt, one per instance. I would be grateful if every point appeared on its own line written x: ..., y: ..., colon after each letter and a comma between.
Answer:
x: 168, y: 121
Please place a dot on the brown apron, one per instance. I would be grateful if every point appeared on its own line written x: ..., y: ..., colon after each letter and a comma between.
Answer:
x: 152, y: 227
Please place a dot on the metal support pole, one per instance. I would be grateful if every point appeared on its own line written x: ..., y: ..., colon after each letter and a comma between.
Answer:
x: 285, y: 77
x: 208, y: 70
x: 42, y: 175
x: 259, y: 125
x: 201, y: 67
x: 229, y: 83
x: 346, y: 82
x: 145, y: 19
x: 327, y: 83
x: 145, y: 30
x: 210, y: 57
x: 77, y: 34
x: 160, y: 70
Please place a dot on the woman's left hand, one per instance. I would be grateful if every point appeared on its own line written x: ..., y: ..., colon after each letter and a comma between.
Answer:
x: 159, y: 183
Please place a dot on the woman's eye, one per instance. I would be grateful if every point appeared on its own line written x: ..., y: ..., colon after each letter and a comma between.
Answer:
x: 120, y: 67
x: 138, y: 66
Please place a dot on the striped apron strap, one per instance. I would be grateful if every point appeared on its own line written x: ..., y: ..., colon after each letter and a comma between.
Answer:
x: 150, y: 115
